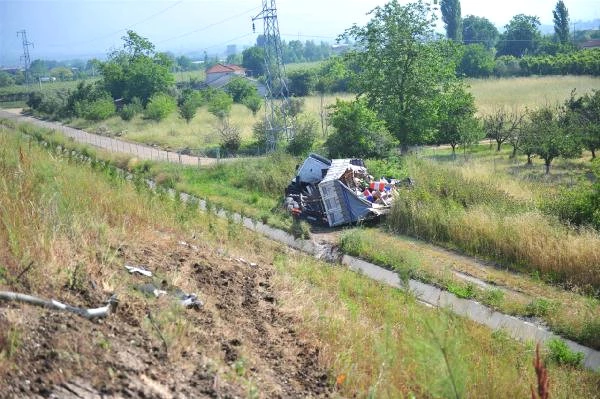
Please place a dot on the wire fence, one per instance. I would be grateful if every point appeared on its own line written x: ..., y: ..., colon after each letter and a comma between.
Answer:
x: 189, y: 156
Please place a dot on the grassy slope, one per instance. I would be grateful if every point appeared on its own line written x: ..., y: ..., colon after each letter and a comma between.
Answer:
x: 376, y: 340
x: 254, y: 187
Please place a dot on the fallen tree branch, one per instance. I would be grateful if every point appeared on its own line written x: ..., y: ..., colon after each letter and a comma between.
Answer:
x: 53, y: 304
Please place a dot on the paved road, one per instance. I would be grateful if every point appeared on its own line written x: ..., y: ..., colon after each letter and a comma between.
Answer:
x: 111, y: 144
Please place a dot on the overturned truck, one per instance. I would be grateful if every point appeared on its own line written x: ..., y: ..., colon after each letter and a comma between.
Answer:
x: 338, y: 191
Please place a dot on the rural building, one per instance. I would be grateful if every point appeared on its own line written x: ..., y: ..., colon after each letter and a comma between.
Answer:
x: 594, y: 43
x: 223, y: 73
x: 219, y: 75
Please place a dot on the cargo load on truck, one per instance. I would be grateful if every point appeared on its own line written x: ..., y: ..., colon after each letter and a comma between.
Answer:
x: 339, y: 191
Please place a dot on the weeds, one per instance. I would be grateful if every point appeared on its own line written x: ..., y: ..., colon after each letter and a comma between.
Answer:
x: 560, y: 353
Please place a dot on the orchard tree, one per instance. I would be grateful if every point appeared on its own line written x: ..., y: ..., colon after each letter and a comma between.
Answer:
x: 550, y: 138
x: 502, y: 125
x: 583, y: 115
x: 402, y: 70
x: 479, y: 30
x: 452, y: 19
x: 561, y: 23
x: 521, y: 36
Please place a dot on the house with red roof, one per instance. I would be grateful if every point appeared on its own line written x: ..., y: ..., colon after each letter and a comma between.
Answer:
x: 220, y: 74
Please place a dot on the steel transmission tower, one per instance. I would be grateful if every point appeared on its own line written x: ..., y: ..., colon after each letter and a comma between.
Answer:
x: 25, y: 57
x: 277, y: 97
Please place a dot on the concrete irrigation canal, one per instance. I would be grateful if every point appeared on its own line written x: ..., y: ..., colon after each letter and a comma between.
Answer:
x: 428, y: 294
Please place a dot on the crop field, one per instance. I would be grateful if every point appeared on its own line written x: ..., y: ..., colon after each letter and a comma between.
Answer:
x: 527, y: 92
x: 87, y: 222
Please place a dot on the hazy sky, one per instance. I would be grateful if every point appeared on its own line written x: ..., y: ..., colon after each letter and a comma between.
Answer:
x: 89, y: 28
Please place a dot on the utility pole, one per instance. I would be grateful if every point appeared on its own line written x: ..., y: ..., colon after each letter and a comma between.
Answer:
x: 277, y: 96
x: 25, y: 57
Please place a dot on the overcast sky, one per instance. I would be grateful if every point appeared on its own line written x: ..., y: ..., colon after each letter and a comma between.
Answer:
x: 63, y: 29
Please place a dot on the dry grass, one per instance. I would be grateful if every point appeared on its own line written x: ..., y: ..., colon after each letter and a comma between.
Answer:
x: 531, y: 92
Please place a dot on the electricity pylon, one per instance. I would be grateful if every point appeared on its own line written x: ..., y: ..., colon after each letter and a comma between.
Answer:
x: 25, y: 57
x: 277, y: 95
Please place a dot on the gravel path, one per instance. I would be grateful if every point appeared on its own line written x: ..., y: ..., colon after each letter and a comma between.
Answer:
x: 111, y: 144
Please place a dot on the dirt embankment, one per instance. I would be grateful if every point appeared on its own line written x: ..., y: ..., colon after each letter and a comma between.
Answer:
x: 239, y: 344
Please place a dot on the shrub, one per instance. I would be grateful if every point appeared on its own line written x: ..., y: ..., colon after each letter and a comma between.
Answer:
x: 220, y: 104
x: 160, y: 106
x: 359, y: 133
x: 254, y: 103
x: 304, y: 136
x: 97, y: 110
x: 132, y: 109
x: 562, y: 354
x: 189, y: 103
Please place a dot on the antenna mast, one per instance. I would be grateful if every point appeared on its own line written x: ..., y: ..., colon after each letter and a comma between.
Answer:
x: 25, y: 57
x: 277, y: 96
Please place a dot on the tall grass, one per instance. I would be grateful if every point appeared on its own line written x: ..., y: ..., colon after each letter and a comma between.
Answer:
x: 480, y: 219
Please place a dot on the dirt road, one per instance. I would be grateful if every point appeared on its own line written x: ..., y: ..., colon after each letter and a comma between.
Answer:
x: 111, y: 144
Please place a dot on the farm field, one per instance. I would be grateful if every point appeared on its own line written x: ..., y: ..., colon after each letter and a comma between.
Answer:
x: 528, y: 92
x: 370, y: 340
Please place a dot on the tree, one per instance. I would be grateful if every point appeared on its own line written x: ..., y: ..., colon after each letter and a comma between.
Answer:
x: 550, y: 138
x: 305, y: 135
x: 477, y: 61
x: 6, y: 79
x: 402, y: 70
x: 479, y: 30
x: 583, y: 115
x: 184, y: 63
x: 160, y: 106
x: 456, y: 111
x: 189, y: 103
x: 253, y: 103
x: 231, y: 139
x: 521, y: 36
x: 239, y: 89
x: 332, y: 77
x: 561, y: 23
x: 359, y: 132
x: 253, y: 59
x: 219, y: 104
x: 301, y: 82
x: 501, y: 126
x: 452, y: 19
x: 61, y: 73
x: 136, y: 71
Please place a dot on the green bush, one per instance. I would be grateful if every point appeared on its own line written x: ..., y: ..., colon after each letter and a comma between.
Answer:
x: 304, y: 137
x: 97, y: 110
x: 160, y: 106
x: 132, y: 109
x: 562, y: 354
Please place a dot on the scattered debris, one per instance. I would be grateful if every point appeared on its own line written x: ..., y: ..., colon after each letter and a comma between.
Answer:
x: 139, y: 270
x: 151, y: 289
x: 339, y: 191
x: 186, y: 300
x: 191, y: 301
x: 111, y: 304
x: 185, y: 244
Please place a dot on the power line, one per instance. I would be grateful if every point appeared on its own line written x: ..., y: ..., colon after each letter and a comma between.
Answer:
x: 120, y: 30
x: 203, y: 28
